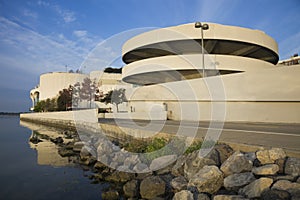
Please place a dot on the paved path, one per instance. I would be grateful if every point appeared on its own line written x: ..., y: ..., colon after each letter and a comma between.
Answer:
x: 286, y: 136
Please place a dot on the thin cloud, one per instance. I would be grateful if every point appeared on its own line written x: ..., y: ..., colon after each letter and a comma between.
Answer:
x: 80, y: 33
x: 22, y: 49
x: 29, y: 13
x: 68, y: 16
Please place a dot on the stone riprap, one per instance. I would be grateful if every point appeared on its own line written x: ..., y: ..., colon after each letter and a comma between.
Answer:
x: 223, y: 174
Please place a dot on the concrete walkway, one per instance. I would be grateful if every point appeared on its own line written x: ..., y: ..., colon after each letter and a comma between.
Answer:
x: 241, y: 135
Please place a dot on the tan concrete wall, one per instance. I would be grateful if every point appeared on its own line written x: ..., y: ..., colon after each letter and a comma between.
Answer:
x: 269, y: 95
x: 215, y: 31
x: 52, y: 83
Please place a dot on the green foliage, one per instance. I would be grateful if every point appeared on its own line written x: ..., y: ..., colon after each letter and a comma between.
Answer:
x: 47, y: 105
x: 64, y: 100
x: 156, y: 144
x: 39, y: 107
x: 199, y: 144
x: 193, y: 147
x: 116, y: 96
x: 136, y: 146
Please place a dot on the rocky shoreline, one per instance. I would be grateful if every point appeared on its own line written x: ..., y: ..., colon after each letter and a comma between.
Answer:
x: 223, y: 174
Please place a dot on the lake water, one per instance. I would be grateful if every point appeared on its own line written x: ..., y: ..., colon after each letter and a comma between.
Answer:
x: 24, y: 174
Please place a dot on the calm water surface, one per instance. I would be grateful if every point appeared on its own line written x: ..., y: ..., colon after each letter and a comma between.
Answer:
x: 21, y: 177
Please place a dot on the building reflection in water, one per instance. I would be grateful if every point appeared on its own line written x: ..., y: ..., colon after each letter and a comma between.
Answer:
x: 47, y: 151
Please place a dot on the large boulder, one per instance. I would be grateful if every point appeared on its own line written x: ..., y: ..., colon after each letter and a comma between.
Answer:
x: 254, y: 189
x: 225, y: 151
x: 269, y: 169
x: 275, y: 194
x: 141, y: 168
x: 110, y: 195
x: 236, y: 181
x: 130, y: 188
x: 292, y: 188
x: 208, y: 179
x: 131, y: 161
x: 292, y: 166
x: 183, y: 195
x: 119, y: 177
x: 269, y: 156
x: 229, y: 197
x: 179, y: 183
x: 236, y: 163
x: 202, y: 196
x: 177, y: 169
x: 162, y: 162
x: 151, y: 187
x: 194, y: 163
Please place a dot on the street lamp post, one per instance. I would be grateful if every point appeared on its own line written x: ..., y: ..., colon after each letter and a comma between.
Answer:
x: 202, y: 27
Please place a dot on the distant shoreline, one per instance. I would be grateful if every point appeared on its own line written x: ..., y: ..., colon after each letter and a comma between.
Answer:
x: 11, y: 113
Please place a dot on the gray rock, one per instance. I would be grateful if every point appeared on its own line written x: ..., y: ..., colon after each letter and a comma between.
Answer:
x: 99, y: 166
x: 131, y: 161
x: 179, y: 183
x: 194, y: 163
x: 236, y: 181
x: 236, y: 163
x: 214, y: 155
x: 269, y: 169
x: 269, y: 156
x: 250, y: 156
x: 151, y: 187
x: 110, y: 195
x: 284, y: 177
x: 123, y: 168
x: 292, y: 188
x: 130, y: 188
x: 85, y: 152
x: 225, y: 151
x: 177, y: 169
x: 202, y: 196
x: 105, y: 159
x: 229, y: 197
x: 183, y: 195
x: 275, y: 194
x: 162, y: 162
x: 292, y: 166
x: 298, y: 180
x: 119, y: 177
x: 209, y: 179
x: 87, y: 161
x: 254, y: 189
x: 165, y: 170
x: 106, y: 148
x: 114, y: 165
x: 141, y: 168
x: 119, y: 157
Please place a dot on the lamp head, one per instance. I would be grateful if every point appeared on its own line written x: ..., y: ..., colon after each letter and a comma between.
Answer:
x: 205, y: 26
x: 198, y: 25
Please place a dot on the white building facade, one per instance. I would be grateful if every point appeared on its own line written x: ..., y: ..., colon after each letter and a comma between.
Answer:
x: 235, y: 79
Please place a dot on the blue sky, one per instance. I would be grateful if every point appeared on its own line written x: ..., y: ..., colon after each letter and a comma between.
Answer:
x: 39, y: 36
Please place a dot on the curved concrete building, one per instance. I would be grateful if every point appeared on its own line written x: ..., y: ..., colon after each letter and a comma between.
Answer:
x: 237, y: 68
x: 51, y: 83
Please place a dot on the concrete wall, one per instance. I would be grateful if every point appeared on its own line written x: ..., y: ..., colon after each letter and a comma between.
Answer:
x: 90, y: 115
x: 52, y: 83
x: 268, y: 95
